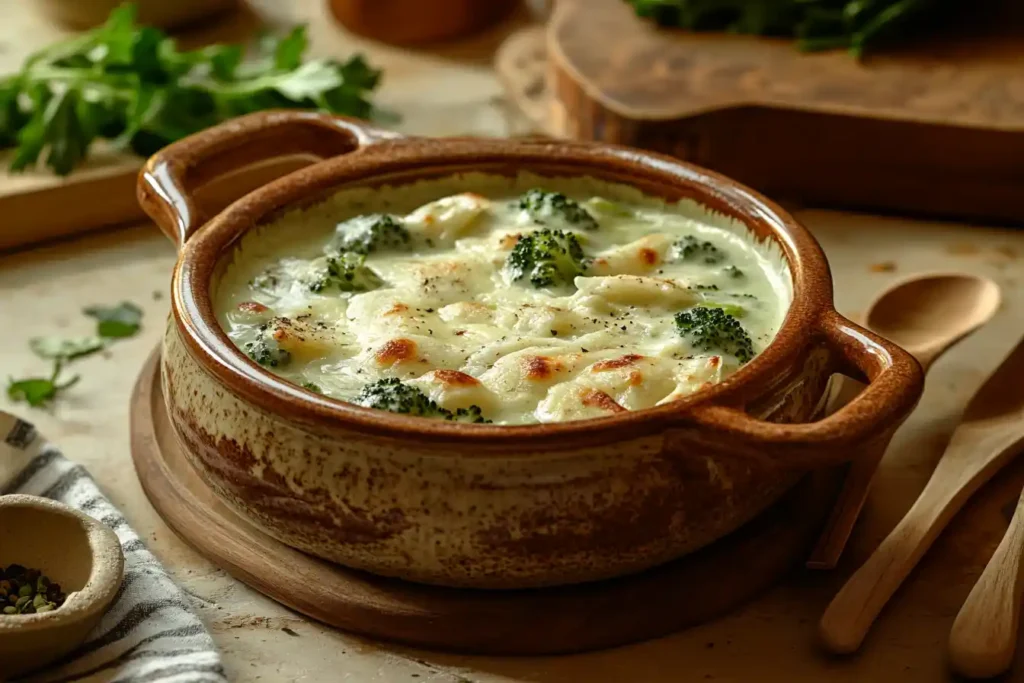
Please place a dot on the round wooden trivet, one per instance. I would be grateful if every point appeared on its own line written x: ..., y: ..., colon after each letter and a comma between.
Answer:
x: 548, y: 621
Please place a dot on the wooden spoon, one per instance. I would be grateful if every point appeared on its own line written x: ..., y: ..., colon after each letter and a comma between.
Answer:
x: 990, y: 433
x: 926, y: 315
x: 984, y: 635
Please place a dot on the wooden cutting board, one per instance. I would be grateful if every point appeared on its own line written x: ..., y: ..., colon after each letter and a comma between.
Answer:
x: 936, y: 129
x: 36, y: 206
x: 603, y: 614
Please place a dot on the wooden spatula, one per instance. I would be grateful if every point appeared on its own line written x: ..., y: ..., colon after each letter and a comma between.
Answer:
x: 984, y: 635
x: 989, y: 435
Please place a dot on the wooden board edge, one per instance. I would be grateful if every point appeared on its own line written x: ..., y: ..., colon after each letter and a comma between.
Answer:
x: 69, y: 207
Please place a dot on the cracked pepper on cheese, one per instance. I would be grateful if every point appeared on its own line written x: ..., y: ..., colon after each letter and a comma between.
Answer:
x: 530, y: 299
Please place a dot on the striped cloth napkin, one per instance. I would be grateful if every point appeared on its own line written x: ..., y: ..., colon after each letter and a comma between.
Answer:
x: 150, y: 634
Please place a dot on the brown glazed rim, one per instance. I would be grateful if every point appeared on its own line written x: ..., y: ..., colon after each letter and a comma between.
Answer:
x: 357, y: 154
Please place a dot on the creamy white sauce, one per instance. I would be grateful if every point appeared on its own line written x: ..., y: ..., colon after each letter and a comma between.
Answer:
x: 449, y: 320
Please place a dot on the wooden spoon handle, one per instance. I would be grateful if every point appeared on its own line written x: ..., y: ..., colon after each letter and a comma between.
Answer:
x: 964, y: 467
x: 984, y: 635
x: 851, y: 613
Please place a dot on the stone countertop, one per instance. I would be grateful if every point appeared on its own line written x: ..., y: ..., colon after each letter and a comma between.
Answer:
x: 453, y: 91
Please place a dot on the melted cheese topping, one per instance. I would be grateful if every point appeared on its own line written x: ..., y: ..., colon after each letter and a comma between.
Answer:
x: 449, y: 320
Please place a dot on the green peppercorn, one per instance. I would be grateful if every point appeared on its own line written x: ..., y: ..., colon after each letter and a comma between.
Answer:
x: 27, y: 591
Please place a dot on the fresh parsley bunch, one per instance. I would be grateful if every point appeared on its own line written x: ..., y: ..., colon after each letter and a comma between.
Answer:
x: 131, y: 84
x: 854, y: 25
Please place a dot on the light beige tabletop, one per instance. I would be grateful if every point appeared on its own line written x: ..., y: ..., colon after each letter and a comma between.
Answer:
x: 453, y: 91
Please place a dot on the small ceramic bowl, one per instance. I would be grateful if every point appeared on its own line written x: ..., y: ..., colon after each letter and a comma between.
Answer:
x: 74, y: 550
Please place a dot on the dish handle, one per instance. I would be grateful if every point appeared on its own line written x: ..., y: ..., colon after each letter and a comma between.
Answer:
x: 171, y: 181
x: 895, y: 382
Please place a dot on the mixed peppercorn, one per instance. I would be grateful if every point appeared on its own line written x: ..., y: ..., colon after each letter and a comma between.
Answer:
x: 27, y: 591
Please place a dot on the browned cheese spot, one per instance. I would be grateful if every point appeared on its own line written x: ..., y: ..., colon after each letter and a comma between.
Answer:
x: 396, y: 351
x: 396, y: 309
x: 509, y: 241
x: 616, y: 363
x: 593, y: 398
x: 454, y: 378
x: 540, y: 368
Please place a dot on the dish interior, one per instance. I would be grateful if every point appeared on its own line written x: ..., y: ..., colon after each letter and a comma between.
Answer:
x: 477, y: 299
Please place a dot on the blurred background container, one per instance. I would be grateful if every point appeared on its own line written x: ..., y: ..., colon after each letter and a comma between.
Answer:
x: 162, y: 13
x: 417, y: 22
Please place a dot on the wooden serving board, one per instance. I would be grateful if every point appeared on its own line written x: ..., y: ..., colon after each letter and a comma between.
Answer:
x: 546, y: 621
x: 935, y: 129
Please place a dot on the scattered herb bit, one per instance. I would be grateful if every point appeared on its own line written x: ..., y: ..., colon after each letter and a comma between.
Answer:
x: 547, y: 258
x: 289, y: 631
x: 713, y: 329
x: 690, y: 248
x: 853, y: 25
x: 554, y: 209
x: 38, y: 391
x: 116, y: 322
x: 66, y: 349
x: 312, y: 386
x: 27, y: 591
x: 706, y: 288
x: 734, y: 272
x: 132, y: 85
x: 266, y: 281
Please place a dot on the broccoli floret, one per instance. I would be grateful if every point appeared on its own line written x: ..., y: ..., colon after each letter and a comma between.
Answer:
x: 712, y: 329
x: 548, y: 258
x: 394, y: 395
x: 557, y: 210
x: 265, y: 350
x: 472, y: 414
x: 348, y: 272
x: 690, y: 248
x: 374, y: 232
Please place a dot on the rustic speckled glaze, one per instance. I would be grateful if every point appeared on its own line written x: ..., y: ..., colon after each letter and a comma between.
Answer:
x: 484, y: 505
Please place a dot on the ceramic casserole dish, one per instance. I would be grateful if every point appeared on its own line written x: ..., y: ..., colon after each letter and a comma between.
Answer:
x: 493, y: 506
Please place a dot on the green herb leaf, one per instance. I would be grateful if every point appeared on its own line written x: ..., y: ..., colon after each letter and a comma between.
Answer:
x: 289, y: 50
x: 38, y: 391
x: 856, y: 25
x: 131, y: 84
x: 65, y: 348
x: 118, y: 321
